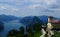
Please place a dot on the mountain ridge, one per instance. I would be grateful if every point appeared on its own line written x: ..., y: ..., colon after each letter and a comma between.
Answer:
x: 6, y: 18
x: 42, y: 18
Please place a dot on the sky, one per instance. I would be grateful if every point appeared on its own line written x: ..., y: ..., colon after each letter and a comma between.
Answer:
x: 22, y: 8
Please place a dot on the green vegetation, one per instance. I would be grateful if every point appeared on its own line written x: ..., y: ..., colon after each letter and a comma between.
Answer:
x: 34, y: 31
x: 56, y: 34
x: 37, y: 34
x: 37, y: 27
x: 0, y: 35
x: 1, y: 26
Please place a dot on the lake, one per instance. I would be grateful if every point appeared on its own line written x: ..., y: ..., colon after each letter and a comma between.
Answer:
x: 10, y: 25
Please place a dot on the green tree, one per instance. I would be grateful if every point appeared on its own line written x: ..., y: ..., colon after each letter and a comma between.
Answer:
x: 36, y: 27
x: 16, y: 33
x: 28, y: 29
x: 1, y: 26
x: 0, y: 35
x: 12, y: 33
x: 22, y: 30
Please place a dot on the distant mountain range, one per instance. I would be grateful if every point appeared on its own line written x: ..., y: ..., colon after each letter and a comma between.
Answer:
x: 30, y: 20
x: 26, y: 20
x: 5, y: 18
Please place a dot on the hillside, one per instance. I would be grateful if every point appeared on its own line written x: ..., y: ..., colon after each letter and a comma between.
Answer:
x: 5, y: 18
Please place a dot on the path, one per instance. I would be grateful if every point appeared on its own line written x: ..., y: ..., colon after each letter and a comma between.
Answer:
x: 43, y: 33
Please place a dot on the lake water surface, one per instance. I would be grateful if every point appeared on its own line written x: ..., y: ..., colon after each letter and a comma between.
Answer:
x: 10, y: 25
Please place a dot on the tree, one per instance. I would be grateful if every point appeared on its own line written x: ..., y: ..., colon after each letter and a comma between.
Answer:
x: 16, y: 33
x: 36, y: 27
x: 28, y: 29
x: 12, y: 32
x: 22, y: 30
x: 1, y: 26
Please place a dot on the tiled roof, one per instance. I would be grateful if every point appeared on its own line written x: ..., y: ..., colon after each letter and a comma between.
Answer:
x: 55, y: 21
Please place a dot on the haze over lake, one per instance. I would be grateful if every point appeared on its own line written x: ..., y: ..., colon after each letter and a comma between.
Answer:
x: 11, y: 25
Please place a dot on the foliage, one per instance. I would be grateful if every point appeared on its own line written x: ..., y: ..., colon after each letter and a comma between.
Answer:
x: 37, y: 27
x: 56, y: 34
x: 0, y: 35
x: 22, y: 30
x: 12, y: 32
x: 37, y: 34
x: 29, y: 31
x: 1, y: 26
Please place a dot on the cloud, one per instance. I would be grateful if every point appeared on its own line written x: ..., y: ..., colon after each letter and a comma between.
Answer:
x: 8, y: 8
x: 3, y: 7
x: 29, y: 7
x: 22, y: 2
x: 14, y: 10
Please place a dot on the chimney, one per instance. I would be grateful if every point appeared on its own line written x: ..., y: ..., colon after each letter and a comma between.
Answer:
x: 50, y: 18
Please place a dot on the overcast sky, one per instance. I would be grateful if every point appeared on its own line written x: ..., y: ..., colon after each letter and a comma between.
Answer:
x: 22, y: 8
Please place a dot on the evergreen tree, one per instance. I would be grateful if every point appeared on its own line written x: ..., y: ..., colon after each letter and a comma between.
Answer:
x: 1, y: 26
x: 22, y: 30
x: 36, y: 27
x: 12, y: 32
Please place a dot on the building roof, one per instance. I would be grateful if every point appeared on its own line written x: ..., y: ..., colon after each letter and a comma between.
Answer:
x: 50, y: 16
x: 55, y: 21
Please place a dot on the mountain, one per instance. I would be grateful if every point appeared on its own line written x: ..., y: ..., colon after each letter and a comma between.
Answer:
x: 56, y: 18
x: 29, y: 21
x: 34, y: 20
x: 6, y: 18
x: 26, y: 20
x: 44, y: 18
x: 37, y: 20
x: 40, y: 19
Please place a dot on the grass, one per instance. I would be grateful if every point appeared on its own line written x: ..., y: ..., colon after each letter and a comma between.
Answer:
x: 37, y: 34
x: 56, y: 34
